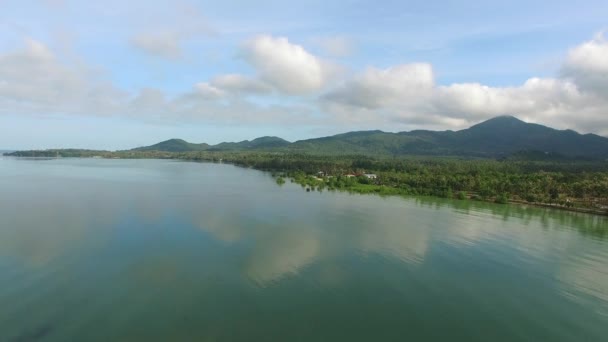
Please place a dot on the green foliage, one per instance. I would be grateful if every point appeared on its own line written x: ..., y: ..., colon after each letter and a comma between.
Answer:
x: 174, y: 145
x: 530, y: 198
x: 502, y: 198
x: 179, y: 145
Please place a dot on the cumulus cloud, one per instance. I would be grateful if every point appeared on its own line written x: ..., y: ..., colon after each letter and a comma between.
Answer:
x: 280, y: 66
x: 377, y: 88
x: 577, y: 99
x: 34, y: 80
x: 558, y: 102
x: 587, y: 65
x: 536, y: 95
x: 286, y: 66
x: 385, y: 97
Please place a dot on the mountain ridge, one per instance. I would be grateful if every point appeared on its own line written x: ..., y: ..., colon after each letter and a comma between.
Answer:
x: 497, y: 137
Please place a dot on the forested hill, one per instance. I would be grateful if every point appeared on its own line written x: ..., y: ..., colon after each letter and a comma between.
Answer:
x: 179, y: 145
x: 174, y: 145
x: 498, y: 137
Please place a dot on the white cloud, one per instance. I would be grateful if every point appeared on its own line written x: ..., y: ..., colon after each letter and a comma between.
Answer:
x: 381, y: 98
x: 590, y: 56
x: 280, y: 65
x: 587, y: 65
x: 240, y: 84
x: 287, y: 66
x: 536, y: 95
x: 558, y: 102
x: 212, y: 106
x: 378, y: 88
x: 208, y: 91
x: 150, y: 101
x: 407, y: 94
x: 157, y: 34
x: 162, y: 44
x: 34, y: 80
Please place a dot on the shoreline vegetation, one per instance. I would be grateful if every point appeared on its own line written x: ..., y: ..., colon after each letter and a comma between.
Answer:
x: 580, y: 186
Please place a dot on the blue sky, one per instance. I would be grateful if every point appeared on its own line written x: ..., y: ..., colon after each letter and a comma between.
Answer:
x: 119, y: 74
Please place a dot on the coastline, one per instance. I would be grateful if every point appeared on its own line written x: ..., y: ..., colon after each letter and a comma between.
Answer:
x: 560, y: 207
x: 312, y: 183
x: 383, y: 190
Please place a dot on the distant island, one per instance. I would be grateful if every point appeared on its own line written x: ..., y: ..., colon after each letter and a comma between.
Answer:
x: 503, y: 160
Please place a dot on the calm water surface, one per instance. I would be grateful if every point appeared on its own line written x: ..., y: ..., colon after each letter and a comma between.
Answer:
x: 152, y: 250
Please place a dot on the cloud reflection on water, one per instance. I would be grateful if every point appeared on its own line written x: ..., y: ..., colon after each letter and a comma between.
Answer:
x: 279, y: 232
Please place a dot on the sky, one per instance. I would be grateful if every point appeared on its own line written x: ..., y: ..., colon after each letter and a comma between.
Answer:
x: 121, y: 74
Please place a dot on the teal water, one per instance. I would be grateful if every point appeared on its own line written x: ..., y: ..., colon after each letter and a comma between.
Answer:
x: 155, y: 250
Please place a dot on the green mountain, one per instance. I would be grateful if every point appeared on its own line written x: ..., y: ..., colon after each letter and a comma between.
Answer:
x: 179, y: 145
x: 506, y: 135
x: 498, y: 137
x: 258, y: 143
x: 174, y: 145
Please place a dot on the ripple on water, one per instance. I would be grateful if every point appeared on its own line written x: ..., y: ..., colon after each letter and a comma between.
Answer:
x: 584, y: 278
